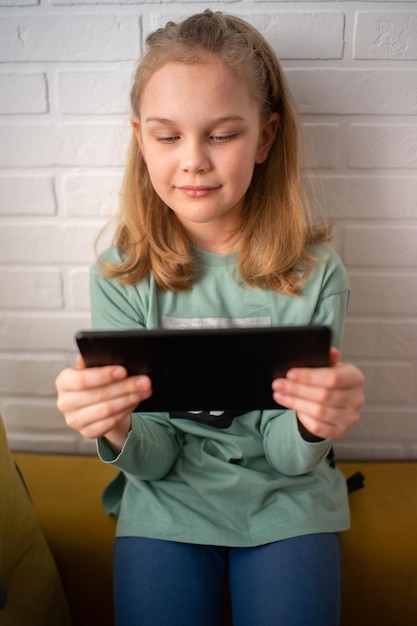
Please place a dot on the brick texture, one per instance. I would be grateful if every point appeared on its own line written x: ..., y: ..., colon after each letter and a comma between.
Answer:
x: 66, y: 67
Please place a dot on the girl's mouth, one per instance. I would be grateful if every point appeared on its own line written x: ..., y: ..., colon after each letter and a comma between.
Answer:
x: 197, y: 191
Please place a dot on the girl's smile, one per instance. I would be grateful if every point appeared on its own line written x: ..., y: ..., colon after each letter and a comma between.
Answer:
x: 197, y: 191
x: 201, y: 135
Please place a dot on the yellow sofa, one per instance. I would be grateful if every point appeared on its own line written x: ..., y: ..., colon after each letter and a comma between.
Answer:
x: 31, y: 593
x: 379, y: 552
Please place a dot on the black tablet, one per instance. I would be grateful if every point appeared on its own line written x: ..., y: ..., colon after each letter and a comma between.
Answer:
x: 209, y: 370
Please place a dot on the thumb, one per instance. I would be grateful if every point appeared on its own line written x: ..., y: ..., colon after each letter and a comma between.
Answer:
x: 334, y: 357
x: 80, y: 362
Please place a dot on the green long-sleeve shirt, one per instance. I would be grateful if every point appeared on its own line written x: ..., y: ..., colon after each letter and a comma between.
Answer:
x: 254, y: 482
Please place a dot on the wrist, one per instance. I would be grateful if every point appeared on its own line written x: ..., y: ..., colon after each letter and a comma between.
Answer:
x: 306, y: 434
x: 117, y: 437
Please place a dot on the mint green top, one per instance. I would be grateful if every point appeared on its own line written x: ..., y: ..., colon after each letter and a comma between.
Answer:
x: 256, y: 481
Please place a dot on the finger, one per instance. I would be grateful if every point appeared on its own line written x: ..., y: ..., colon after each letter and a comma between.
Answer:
x: 323, y: 430
x: 318, y: 403
x: 82, y: 397
x: 102, y: 417
x: 334, y: 357
x: 288, y: 392
x: 341, y: 376
x: 136, y: 385
x: 93, y: 417
x: 323, y: 419
x: 80, y: 362
x: 102, y: 376
x: 315, y: 376
x: 96, y: 430
x: 72, y: 379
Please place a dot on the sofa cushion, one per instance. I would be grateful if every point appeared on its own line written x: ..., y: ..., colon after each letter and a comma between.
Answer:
x: 31, y: 593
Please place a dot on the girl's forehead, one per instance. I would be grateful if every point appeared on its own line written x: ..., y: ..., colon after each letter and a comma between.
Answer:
x: 210, y: 78
x: 212, y: 65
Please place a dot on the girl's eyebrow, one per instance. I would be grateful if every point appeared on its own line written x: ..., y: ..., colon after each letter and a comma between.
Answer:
x: 219, y: 120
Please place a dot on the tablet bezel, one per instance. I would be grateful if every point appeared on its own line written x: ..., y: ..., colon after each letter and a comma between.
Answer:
x: 208, y: 369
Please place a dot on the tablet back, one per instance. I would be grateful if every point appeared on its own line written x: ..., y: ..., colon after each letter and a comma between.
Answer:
x: 213, y: 369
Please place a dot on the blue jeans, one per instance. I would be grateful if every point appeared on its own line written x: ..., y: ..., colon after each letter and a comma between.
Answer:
x: 295, y: 582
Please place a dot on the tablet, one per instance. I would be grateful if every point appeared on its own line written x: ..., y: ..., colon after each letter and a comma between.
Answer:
x: 210, y: 369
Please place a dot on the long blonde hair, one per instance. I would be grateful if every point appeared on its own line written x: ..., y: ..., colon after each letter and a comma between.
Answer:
x: 277, y: 227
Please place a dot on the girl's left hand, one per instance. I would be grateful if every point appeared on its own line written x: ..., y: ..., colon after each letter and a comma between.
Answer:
x: 326, y: 399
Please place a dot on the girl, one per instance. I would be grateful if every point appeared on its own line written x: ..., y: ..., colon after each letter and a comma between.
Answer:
x: 214, y: 231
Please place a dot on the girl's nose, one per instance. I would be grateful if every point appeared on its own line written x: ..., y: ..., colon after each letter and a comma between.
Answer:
x: 195, y: 157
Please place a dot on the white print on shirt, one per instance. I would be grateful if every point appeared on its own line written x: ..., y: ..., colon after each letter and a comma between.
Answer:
x: 178, y: 323
x: 218, y: 419
x: 214, y: 413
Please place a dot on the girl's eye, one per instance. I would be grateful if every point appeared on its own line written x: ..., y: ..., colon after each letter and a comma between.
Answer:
x: 222, y: 138
x: 166, y: 139
x: 216, y: 138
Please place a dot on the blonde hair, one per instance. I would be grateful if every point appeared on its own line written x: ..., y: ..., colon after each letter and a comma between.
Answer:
x: 277, y: 227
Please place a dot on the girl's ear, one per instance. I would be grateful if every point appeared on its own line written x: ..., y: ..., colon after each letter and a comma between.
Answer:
x: 135, y: 123
x: 266, y: 137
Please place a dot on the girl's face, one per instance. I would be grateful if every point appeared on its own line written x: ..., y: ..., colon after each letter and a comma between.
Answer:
x: 200, y: 134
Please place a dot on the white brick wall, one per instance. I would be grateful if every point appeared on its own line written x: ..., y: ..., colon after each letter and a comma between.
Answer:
x: 64, y: 80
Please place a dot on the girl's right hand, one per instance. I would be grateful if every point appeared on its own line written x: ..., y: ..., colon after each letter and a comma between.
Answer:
x: 97, y: 401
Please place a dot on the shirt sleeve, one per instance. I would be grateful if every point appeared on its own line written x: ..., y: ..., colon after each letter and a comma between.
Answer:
x: 153, y: 444
x: 150, y: 450
x: 285, y: 449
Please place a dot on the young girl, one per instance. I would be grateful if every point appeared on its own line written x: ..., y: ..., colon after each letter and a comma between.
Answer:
x: 214, y: 231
